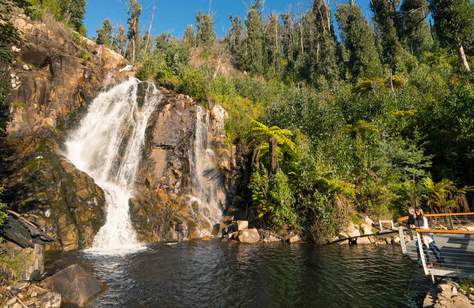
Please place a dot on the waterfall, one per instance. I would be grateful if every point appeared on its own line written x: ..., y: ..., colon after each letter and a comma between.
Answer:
x: 108, y: 145
x: 206, y: 179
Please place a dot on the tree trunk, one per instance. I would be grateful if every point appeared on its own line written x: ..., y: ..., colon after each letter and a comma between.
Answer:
x: 463, y: 57
x: 256, y: 158
x: 272, y: 143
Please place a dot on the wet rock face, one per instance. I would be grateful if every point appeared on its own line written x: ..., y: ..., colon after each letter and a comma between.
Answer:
x: 164, y: 208
x: 64, y: 201
x: 57, y: 73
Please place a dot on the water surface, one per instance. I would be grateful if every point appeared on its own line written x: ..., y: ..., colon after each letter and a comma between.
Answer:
x: 222, y: 274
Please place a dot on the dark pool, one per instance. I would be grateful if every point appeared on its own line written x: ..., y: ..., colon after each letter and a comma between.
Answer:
x: 222, y: 274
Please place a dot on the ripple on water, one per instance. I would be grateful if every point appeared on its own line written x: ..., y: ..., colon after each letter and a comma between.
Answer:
x: 216, y: 274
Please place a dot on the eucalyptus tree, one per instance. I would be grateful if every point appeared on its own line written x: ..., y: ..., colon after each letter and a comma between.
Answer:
x: 322, y: 59
x: 454, y: 26
x: 254, y: 60
x: 133, y: 35
x: 104, y: 34
x: 385, y: 25
x: 359, y: 40
x: 413, y: 29
x: 205, y: 36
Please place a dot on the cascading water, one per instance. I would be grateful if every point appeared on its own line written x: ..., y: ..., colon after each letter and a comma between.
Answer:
x: 206, y: 180
x: 108, y: 146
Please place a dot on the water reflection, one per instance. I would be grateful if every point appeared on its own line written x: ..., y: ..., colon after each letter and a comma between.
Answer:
x: 215, y: 274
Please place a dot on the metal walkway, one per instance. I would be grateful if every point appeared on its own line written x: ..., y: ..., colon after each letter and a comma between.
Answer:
x: 452, y: 251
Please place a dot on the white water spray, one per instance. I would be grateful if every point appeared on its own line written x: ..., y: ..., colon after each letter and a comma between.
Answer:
x: 206, y: 187
x: 108, y: 146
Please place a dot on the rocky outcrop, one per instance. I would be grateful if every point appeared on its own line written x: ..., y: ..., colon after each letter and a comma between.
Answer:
x: 448, y: 295
x: 34, y: 296
x: 57, y: 72
x: 76, y: 286
x: 22, y: 232
x: 21, y: 264
x: 165, y: 206
x: 56, y: 75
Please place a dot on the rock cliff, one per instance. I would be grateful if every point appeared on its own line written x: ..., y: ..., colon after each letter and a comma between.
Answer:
x: 57, y: 73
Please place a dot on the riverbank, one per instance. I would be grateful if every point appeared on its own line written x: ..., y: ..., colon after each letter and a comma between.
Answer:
x: 449, y: 293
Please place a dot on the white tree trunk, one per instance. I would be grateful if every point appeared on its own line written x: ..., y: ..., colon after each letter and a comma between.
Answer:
x: 463, y: 57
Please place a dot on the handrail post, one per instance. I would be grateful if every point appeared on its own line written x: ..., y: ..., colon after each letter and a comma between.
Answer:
x: 402, y: 240
x: 422, y: 253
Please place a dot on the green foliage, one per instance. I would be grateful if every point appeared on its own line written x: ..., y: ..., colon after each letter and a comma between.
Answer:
x: 104, y: 34
x: 454, y: 22
x: 205, y: 35
x: 3, y: 208
x: 414, y: 30
x: 385, y: 21
x: 467, y: 285
x: 444, y: 196
x: 359, y: 40
x: 194, y: 84
x: 353, y: 125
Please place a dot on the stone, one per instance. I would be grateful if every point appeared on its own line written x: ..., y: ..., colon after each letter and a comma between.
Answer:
x: 363, y: 241
x: 462, y: 302
x: 368, y: 221
x: 242, y: 225
x: 249, y: 236
x: 75, y: 284
x: 271, y: 239
x: 217, y: 229
x: 35, y: 296
x: 294, y: 239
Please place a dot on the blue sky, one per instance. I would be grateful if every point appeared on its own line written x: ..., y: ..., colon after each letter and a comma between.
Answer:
x: 174, y: 15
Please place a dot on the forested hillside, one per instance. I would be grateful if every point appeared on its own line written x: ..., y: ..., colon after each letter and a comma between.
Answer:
x: 331, y: 113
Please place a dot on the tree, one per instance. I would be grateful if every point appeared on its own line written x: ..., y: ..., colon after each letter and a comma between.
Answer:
x: 454, y: 26
x: 235, y: 40
x: 275, y: 136
x: 205, y: 35
x: 322, y: 59
x: 444, y: 196
x: 73, y: 12
x: 273, y: 46
x: 120, y: 40
x: 385, y: 22
x: 104, y: 33
x: 254, y: 60
x: 133, y: 29
x: 359, y: 41
x: 414, y: 31
x: 189, y: 38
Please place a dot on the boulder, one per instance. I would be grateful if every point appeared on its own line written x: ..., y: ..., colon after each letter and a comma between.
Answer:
x: 368, y: 221
x: 294, y: 239
x: 349, y: 231
x: 363, y: 241
x: 75, y: 284
x: 242, y: 225
x: 249, y: 236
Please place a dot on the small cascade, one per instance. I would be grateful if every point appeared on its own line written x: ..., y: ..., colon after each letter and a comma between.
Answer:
x: 108, y: 145
x: 206, y: 179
